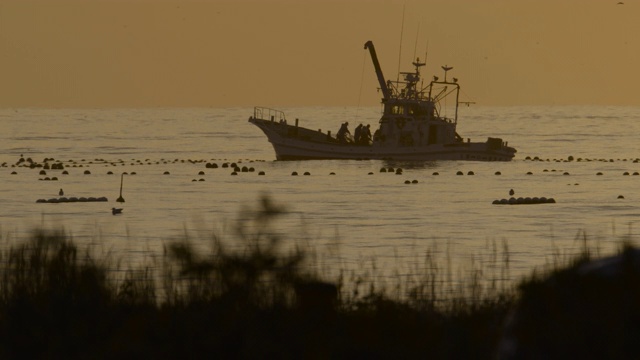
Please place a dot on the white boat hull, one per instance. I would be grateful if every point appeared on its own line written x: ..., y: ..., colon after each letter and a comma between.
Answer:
x: 314, y: 147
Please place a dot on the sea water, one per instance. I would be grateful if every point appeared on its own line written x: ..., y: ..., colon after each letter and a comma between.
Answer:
x: 358, y: 218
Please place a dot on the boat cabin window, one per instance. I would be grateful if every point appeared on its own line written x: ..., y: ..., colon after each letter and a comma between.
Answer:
x: 397, y: 110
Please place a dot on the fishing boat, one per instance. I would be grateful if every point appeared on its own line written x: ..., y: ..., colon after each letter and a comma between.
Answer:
x: 415, y: 125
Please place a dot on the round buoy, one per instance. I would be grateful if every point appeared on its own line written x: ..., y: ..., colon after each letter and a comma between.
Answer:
x: 295, y: 173
x: 383, y: 170
x: 332, y: 173
x: 459, y: 173
x: 599, y: 173
x: 497, y: 173
x: 42, y: 172
x: 620, y: 197
x: 166, y: 173
x: 636, y: 173
x: 414, y: 182
x: 261, y: 173
x: 307, y: 173
x: 245, y: 169
x: 625, y: 173
x: 529, y: 173
x: 234, y: 173
x: 201, y: 173
x: 407, y: 182
x: 470, y: 173
x: 398, y: 171
x: 565, y: 173
x: 436, y: 173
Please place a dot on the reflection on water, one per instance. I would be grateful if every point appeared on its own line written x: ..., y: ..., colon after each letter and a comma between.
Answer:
x: 349, y: 218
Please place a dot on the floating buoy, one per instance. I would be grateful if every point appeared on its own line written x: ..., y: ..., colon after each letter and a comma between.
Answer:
x: 383, y: 170
x: 120, y: 198
x: 307, y: 173
x: 370, y: 173
x: 524, y: 201
x: 599, y: 173
x: 459, y: 173
x: 261, y: 173
x: 234, y: 173
x: 436, y: 173
x: 42, y: 172
x: 201, y: 173
x: 497, y: 173
x: 245, y: 169
x: 625, y: 173
x: 166, y: 173
x: 398, y: 171
x: 470, y: 173
x: 529, y: 173
x: 295, y: 173
x: 414, y: 182
x: 620, y: 197
x: 565, y: 173
x: 332, y: 173
x: 407, y: 182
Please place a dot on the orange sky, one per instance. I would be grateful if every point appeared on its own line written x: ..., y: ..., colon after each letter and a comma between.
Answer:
x: 108, y: 53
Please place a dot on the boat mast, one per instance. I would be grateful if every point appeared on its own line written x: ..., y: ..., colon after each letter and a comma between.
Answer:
x: 383, y: 84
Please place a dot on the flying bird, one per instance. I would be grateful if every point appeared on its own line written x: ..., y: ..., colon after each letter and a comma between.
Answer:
x: 115, y: 211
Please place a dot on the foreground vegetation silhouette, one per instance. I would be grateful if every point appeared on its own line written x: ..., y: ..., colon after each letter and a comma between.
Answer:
x: 57, y: 301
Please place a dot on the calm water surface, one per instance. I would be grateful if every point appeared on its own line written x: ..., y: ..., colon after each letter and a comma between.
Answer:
x: 351, y: 219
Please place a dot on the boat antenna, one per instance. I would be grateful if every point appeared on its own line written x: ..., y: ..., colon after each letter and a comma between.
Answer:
x: 426, y: 53
x: 415, y: 47
x: 400, y: 50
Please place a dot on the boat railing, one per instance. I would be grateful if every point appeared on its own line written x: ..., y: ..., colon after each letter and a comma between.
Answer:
x: 264, y: 113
